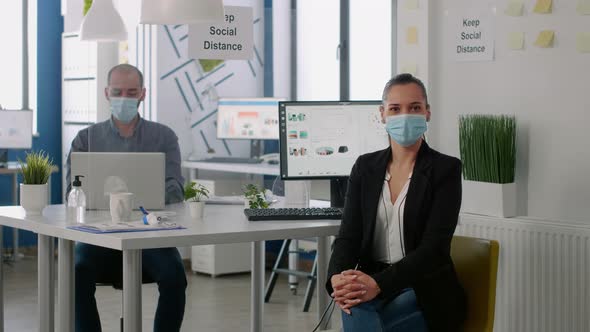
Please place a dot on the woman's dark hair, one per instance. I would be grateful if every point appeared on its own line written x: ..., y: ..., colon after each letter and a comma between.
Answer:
x: 403, y: 79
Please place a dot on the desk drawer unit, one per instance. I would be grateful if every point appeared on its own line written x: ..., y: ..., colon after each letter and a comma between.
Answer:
x: 218, y: 259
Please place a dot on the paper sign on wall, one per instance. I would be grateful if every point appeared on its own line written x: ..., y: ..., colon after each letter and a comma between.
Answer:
x: 516, y: 40
x: 515, y: 8
x: 412, y: 36
x: 583, y: 7
x: 410, y: 68
x: 545, y: 39
x: 230, y: 39
x: 543, y: 6
x: 473, y: 35
x: 411, y: 4
x: 583, y: 42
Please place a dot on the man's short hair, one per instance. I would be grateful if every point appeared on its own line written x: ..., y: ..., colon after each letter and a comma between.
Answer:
x: 403, y: 79
x: 125, y: 67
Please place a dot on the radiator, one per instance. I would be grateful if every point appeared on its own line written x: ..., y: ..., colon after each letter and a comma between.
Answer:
x: 543, y: 272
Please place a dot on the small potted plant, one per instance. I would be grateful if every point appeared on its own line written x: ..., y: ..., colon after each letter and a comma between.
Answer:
x: 194, y: 193
x: 255, y: 198
x: 35, y: 172
x: 488, y: 153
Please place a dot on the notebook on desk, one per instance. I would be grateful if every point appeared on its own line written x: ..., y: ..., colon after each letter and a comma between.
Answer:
x: 124, y: 227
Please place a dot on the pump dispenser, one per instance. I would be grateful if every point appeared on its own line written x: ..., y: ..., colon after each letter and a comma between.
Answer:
x: 76, y: 203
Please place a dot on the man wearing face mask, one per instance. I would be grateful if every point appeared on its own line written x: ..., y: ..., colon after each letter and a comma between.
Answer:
x: 126, y: 131
x: 391, y: 268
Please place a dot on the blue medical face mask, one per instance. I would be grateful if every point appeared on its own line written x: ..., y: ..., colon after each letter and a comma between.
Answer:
x: 123, y: 108
x: 406, y: 129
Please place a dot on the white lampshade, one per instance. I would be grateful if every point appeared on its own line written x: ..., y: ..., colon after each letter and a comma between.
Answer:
x: 180, y: 11
x: 103, y: 23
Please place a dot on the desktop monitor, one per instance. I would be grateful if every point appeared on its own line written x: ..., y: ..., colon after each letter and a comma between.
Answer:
x: 248, y: 118
x: 322, y: 140
x: 16, y: 129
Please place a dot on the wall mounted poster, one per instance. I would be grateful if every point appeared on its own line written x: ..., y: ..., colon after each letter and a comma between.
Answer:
x: 472, y: 34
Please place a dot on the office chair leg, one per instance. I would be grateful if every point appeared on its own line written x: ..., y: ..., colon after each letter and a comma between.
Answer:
x: 274, y: 275
x: 311, y: 284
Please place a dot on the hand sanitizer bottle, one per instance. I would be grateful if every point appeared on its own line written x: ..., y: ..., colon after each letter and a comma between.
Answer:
x: 76, y: 205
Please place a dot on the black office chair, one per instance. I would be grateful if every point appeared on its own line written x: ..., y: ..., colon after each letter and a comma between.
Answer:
x: 276, y: 270
x: 118, y: 284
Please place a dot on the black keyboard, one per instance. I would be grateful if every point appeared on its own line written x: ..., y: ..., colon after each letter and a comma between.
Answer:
x: 233, y: 160
x: 293, y: 214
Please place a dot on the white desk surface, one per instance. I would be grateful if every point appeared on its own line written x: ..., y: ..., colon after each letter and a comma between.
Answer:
x: 221, y: 224
x: 259, y: 169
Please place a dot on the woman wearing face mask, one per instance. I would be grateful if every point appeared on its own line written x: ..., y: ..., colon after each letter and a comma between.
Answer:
x: 391, y: 268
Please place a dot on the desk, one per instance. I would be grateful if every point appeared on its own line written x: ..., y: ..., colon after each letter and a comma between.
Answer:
x: 257, y: 169
x: 221, y: 224
x: 13, y: 168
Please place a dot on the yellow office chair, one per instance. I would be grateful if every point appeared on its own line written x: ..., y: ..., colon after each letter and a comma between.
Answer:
x: 476, y: 263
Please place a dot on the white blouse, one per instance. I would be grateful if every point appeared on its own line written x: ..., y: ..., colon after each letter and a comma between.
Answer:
x: 388, y: 239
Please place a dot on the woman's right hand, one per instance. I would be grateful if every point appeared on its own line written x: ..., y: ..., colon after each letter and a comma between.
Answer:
x: 347, y: 291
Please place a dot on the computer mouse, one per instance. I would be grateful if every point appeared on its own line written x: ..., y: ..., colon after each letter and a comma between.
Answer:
x: 273, y: 162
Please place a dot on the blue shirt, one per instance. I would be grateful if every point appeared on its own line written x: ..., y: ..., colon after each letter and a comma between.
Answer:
x: 147, y: 136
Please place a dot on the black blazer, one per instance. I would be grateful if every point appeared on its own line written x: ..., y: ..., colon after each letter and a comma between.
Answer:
x: 430, y: 217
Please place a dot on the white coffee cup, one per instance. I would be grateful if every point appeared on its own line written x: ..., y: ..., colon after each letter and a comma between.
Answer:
x: 121, y: 205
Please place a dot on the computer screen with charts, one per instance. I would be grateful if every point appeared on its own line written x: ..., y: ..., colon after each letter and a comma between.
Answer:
x: 248, y: 118
x: 322, y: 140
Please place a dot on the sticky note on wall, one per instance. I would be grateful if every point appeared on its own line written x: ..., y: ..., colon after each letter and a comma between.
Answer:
x: 543, y: 7
x: 515, y: 8
x: 410, y: 68
x: 412, y: 4
x: 583, y: 7
x: 516, y: 40
x: 545, y: 39
x: 412, y: 36
x: 583, y: 42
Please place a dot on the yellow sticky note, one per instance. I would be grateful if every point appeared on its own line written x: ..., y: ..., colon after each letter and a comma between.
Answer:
x: 515, y: 8
x: 410, y: 68
x: 516, y: 40
x: 545, y: 39
x: 412, y: 36
x: 411, y: 4
x: 543, y: 7
x: 583, y: 42
x: 583, y: 7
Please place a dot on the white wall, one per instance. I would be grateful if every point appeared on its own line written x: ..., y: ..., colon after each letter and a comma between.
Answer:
x: 413, y: 56
x: 547, y: 89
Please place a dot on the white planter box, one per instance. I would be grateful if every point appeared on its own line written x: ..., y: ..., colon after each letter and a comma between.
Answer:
x: 33, y: 198
x: 490, y: 199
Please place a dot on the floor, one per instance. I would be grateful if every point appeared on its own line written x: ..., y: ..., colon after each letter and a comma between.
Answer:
x: 213, y: 304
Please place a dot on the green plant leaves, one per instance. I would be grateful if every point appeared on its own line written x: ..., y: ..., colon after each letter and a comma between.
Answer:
x: 488, y: 147
x: 255, y: 197
x: 195, y: 192
x: 37, y: 168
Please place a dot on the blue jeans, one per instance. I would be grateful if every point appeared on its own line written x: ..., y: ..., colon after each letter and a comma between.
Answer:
x: 96, y: 264
x: 400, y: 314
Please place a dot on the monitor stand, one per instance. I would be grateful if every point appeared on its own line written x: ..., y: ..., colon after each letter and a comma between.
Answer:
x: 256, y: 148
x: 338, y: 192
x: 3, y: 158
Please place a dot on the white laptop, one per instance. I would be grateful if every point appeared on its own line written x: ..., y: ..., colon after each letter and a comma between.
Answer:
x: 143, y: 174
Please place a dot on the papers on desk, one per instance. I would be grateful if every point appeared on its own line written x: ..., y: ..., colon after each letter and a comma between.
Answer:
x: 121, y: 227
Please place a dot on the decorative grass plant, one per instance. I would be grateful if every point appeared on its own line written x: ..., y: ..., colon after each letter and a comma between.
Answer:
x: 37, y: 168
x: 488, y: 147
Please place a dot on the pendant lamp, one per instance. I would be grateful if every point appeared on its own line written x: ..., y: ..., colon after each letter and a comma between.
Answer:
x: 103, y: 23
x: 180, y: 11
